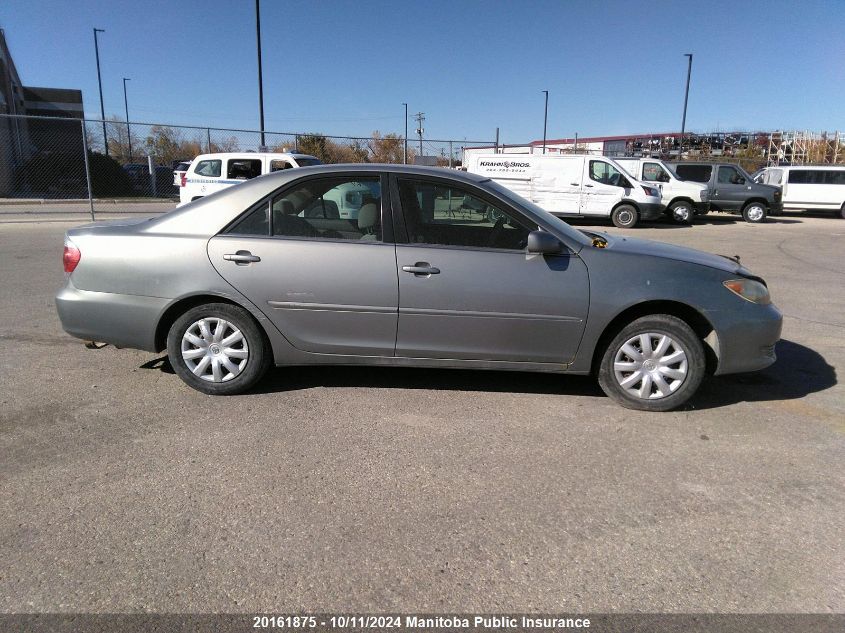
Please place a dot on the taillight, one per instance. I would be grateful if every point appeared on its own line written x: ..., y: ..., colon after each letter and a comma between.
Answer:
x: 650, y: 191
x: 71, y: 256
x: 183, y: 178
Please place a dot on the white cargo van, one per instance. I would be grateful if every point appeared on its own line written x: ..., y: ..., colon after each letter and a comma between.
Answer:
x: 573, y: 185
x: 683, y: 199
x: 808, y: 187
x: 212, y: 172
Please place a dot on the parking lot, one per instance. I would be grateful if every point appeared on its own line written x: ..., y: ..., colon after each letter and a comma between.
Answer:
x: 372, y: 489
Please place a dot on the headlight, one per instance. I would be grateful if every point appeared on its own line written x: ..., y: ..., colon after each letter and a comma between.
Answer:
x: 750, y: 290
x: 704, y: 195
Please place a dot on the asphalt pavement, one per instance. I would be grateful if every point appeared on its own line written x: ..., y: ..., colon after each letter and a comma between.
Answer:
x: 374, y: 490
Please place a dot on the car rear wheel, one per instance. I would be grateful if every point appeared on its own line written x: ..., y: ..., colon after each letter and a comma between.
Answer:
x: 624, y: 216
x: 681, y: 212
x: 754, y: 212
x: 218, y: 349
x: 656, y: 363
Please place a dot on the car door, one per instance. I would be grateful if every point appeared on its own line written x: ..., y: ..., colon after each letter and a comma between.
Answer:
x: 603, y: 187
x: 330, y: 286
x: 731, y: 190
x: 467, y: 287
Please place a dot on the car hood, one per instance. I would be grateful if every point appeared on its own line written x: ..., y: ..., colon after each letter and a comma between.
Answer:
x: 637, y: 246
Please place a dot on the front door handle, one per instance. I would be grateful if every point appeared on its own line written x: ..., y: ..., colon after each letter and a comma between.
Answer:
x: 588, y: 185
x: 421, y: 269
x: 241, y: 258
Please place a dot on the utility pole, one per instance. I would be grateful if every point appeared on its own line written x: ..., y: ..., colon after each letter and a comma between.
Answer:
x: 575, y: 147
x: 545, y: 119
x: 686, y: 98
x: 263, y: 148
x: 405, y: 147
x: 100, y: 83
x: 420, y: 117
x: 126, y: 106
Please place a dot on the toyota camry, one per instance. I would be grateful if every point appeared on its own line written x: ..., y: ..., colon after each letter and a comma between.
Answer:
x: 410, y: 267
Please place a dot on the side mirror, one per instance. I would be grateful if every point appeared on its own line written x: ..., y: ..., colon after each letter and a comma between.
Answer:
x: 543, y: 243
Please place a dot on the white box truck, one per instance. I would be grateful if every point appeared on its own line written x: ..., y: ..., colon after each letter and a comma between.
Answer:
x: 683, y: 199
x: 573, y: 186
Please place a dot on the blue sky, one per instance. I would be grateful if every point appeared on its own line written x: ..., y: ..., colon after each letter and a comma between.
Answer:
x: 344, y: 67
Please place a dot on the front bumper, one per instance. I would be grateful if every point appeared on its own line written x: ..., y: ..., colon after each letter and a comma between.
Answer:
x: 651, y: 211
x: 122, y: 320
x: 747, y: 338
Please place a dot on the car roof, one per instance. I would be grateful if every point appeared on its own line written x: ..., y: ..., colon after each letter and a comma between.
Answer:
x: 826, y: 167
x: 253, y: 155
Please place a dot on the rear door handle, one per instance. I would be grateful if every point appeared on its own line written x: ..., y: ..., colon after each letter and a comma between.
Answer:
x: 241, y: 258
x: 421, y: 269
x: 575, y: 184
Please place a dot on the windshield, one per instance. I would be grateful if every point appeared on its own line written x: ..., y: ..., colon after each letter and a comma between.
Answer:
x: 551, y: 220
x: 308, y: 162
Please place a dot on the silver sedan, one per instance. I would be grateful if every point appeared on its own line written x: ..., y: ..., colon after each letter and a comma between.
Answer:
x: 410, y: 266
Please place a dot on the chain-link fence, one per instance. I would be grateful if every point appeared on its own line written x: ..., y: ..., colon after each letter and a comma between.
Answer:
x: 100, y: 162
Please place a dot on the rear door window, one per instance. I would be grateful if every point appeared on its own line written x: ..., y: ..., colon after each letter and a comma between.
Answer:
x: 696, y: 173
x: 209, y: 168
x: 243, y: 169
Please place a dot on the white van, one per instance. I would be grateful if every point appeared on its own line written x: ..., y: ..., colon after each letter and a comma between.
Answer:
x: 808, y: 187
x: 683, y: 199
x: 573, y: 185
x: 212, y: 172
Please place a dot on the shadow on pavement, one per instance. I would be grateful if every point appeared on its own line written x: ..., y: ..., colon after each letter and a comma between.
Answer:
x: 798, y: 371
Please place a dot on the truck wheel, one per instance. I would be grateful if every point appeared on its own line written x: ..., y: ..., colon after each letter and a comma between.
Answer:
x: 842, y: 211
x: 681, y: 212
x: 625, y: 216
x: 754, y: 212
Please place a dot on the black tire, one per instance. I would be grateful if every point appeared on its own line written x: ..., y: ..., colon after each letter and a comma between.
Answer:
x: 682, y: 338
x: 754, y: 212
x: 257, y: 361
x: 842, y: 212
x: 625, y: 216
x: 681, y: 212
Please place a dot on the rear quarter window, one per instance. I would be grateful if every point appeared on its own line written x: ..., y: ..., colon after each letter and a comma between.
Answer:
x: 696, y: 173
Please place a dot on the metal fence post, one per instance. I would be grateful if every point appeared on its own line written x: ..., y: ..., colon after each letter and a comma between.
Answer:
x: 87, y: 169
x: 152, y: 174
x: 208, y: 139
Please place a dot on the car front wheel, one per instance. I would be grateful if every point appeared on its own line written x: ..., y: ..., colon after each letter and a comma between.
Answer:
x: 655, y: 363
x: 754, y: 212
x: 624, y: 216
x: 218, y: 349
x: 681, y: 212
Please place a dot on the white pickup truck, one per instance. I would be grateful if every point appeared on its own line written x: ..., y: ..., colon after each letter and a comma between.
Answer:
x: 683, y: 199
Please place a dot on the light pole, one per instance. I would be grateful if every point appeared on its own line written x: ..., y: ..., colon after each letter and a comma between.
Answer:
x: 260, y: 79
x: 405, y: 148
x: 126, y: 106
x: 100, y: 83
x: 545, y: 119
x: 686, y: 98
x: 420, y: 116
